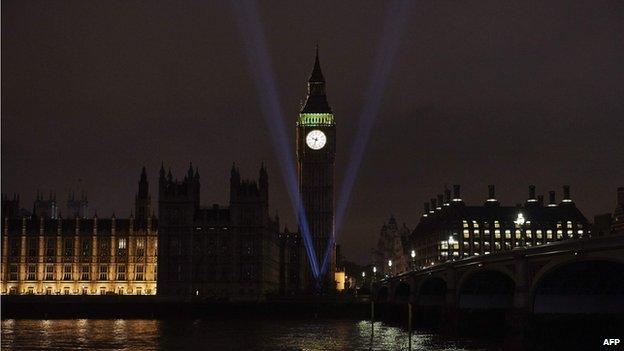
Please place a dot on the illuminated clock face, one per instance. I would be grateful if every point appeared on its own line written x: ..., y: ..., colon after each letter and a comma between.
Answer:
x: 316, y: 139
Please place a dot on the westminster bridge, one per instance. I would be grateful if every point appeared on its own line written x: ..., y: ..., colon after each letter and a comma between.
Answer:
x: 574, y: 276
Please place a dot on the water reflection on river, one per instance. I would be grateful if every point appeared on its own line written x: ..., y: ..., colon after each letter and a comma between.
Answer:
x: 120, y: 334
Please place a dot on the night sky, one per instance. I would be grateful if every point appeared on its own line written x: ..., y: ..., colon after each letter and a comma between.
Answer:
x: 480, y: 93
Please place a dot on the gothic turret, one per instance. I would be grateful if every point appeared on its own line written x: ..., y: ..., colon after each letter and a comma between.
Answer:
x: 143, y: 200
x: 263, y: 181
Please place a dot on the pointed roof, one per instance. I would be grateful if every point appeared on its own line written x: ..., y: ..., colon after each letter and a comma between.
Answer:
x: 316, y: 101
x: 317, y: 74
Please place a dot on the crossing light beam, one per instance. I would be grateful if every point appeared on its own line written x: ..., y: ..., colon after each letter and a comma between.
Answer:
x: 259, y: 62
x: 394, y: 25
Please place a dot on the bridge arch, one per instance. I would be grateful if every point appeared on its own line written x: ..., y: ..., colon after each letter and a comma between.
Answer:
x: 382, y: 294
x: 402, y: 292
x: 432, y: 291
x: 579, y: 285
x: 486, y: 289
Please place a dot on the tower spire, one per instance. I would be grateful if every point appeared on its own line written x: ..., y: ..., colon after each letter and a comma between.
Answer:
x: 316, y: 101
x: 317, y: 74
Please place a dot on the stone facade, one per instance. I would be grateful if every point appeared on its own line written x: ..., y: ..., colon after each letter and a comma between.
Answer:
x: 44, y: 253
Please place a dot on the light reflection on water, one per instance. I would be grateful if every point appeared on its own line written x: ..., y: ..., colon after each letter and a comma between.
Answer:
x: 244, y: 334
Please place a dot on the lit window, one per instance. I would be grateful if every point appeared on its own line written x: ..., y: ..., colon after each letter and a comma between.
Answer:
x: 84, y: 274
x: 49, y: 272
x: 103, y: 272
x: 569, y: 224
x: 466, y: 233
x: 121, y: 272
x: 140, y: 247
x: 32, y: 272
x: 13, y: 272
x: 139, y: 272
x: 67, y: 272
x: 122, y: 243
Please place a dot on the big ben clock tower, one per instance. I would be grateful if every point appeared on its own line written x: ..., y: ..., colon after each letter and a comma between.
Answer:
x: 316, y: 150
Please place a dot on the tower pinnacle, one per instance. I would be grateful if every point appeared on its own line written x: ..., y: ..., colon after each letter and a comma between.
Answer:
x: 316, y: 101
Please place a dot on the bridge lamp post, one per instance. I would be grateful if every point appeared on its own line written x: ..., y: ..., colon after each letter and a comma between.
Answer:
x: 451, y: 241
x: 390, y: 267
x: 413, y: 254
x: 520, y: 223
x: 372, y: 300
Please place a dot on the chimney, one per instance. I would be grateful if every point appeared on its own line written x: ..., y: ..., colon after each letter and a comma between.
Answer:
x: 440, y: 201
x: 456, y: 196
x: 447, y: 196
x: 566, y: 194
x: 540, y: 200
x: 620, y: 196
x: 531, y: 193
x: 552, y: 202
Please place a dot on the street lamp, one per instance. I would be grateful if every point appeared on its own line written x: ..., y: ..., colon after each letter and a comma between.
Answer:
x: 390, y: 267
x: 413, y: 254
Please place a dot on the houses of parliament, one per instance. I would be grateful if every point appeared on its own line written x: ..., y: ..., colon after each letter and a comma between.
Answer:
x: 44, y: 252
x: 234, y: 251
x: 217, y: 251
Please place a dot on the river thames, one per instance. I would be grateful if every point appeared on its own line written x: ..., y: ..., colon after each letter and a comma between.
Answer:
x: 239, y: 334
